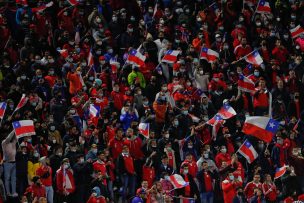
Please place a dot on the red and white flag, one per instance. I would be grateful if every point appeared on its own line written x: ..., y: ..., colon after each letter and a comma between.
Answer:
x: 135, y: 57
x: 247, y: 150
x: 245, y: 84
x: 280, y: 172
x: 43, y: 7
x: 295, y: 32
x: 227, y: 111
x: 24, y: 128
x: 144, y: 129
x: 3, y: 106
x: 178, y: 181
x: 254, y: 58
x: 90, y: 59
x: 63, y: 52
x: 263, y: 7
x: 22, y: 102
x: 209, y: 55
x: 216, y: 122
x: 170, y: 56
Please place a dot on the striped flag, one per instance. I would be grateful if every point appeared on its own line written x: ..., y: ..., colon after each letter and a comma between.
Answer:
x: 263, y: 7
x: 43, y: 7
x: 245, y: 84
x: 178, y: 181
x: 209, y: 55
x: 90, y: 59
x: 94, y: 111
x: 216, y: 122
x: 24, y: 128
x: 227, y: 111
x: 22, y: 102
x: 254, y: 58
x: 73, y: 2
x: 280, y: 172
x: 135, y: 57
x: 144, y: 129
x: 170, y: 56
x: 3, y: 106
x: 295, y: 32
x: 247, y: 150
x: 63, y: 52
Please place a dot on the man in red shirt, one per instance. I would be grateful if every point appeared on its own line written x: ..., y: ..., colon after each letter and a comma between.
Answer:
x: 243, y: 49
x: 249, y: 188
x: 36, y: 189
x: 134, y: 143
x: 280, y: 52
x: 100, y: 165
x: 229, y: 187
x: 222, y: 156
x: 117, y: 97
x: 78, y: 101
x: 191, y: 165
x: 45, y: 174
x: 206, y: 179
x: 116, y: 144
x: 261, y: 99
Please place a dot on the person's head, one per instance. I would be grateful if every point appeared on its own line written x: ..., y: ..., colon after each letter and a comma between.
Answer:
x: 280, y: 84
x: 256, y: 178
x: 95, y: 192
x: 125, y: 149
x: 278, y: 42
x: 297, y: 96
x: 204, y: 99
x: 205, y: 165
x: 130, y: 132
x: 101, y: 155
x: 243, y: 41
x: 240, y: 191
x: 165, y: 160
x: 230, y: 176
x: 189, y: 157
x: 268, y: 178
x: 262, y: 83
x: 185, y: 169
x: 43, y: 160
x: 65, y: 163
x: 94, y: 148
x: 257, y: 191
x: 80, y: 158
x: 223, y: 149
x: 36, y: 180
x: 144, y: 184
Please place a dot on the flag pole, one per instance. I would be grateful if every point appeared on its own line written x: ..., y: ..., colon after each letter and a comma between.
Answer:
x: 255, y: 10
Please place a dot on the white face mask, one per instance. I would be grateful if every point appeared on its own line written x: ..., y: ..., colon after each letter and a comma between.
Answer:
x: 94, y: 194
x: 186, y: 171
x: 224, y: 150
x: 206, y: 155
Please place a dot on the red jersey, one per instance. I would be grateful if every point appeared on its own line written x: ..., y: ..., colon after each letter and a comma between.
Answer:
x: 116, y: 147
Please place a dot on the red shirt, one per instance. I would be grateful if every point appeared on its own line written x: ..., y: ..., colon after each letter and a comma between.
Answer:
x: 250, y: 188
x: 37, y: 191
x: 148, y: 175
x: 192, y: 167
x: 220, y: 157
x: 241, y: 51
x: 135, y: 147
x: 116, y: 147
x: 280, y: 54
x: 42, y: 170
x: 261, y: 100
x: 129, y: 165
x: 208, y: 182
x: 117, y: 99
x: 75, y: 100
x: 270, y: 195
x: 100, y: 166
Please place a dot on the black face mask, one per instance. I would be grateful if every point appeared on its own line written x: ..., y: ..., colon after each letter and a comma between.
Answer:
x: 240, y: 193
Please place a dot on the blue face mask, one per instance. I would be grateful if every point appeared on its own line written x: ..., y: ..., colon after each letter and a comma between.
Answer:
x: 185, y: 112
x: 257, y: 74
x: 176, y: 123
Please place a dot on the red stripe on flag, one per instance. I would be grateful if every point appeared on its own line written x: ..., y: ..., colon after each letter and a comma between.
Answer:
x: 24, y: 130
x: 170, y: 58
x: 257, y: 132
x: 248, y: 153
x: 136, y: 60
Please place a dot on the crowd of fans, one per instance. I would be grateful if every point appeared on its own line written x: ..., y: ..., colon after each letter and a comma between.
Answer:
x: 77, y: 158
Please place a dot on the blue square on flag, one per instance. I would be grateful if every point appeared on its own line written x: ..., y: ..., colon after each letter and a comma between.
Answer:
x: 205, y: 50
x: 272, y: 126
x: 262, y: 2
x: 16, y: 124
x: 133, y: 52
x: 247, y: 144
x: 169, y: 52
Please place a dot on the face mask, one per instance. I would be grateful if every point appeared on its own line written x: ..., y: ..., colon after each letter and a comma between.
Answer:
x: 188, y: 83
x: 224, y: 150
x: 190, y: 146
x: 114, y: 19
x: 130, y: 30
x: 231, y: 177
x: 146, y: 103
x: 285, y: 36
x: 258, y: 24
x: 177, y: 41
x: 36, y: 154
x: 280, y: 141
x: 293, y: 17
x: 166, y: 177
x: 218, y: 39
x: 54, y: 141
x: 72, y: 111
x: 94, y: 151
x: 206, y: 155
x: 94, y: 194
x: 51, y: 72
x: 66, y: 166
x: 167, y: 136
x: 185, y: 112
x: 65, y: 13
x: 186, y: 171
x: 23, y: 77
x: 98, y: 20
x: 34, y: 103
x: 51, y: 61
x: 82, y: 160
x: 98, y: 52
x: 257, y: 74
x: 176, y: 123
x: 241, y: 19
x: 226, y: 47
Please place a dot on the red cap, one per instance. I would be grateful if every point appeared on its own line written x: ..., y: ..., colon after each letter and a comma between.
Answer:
x: 101, y: 58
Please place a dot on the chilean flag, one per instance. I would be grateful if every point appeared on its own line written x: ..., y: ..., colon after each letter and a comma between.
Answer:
x: 90, y: 59
x: 94, y: 111
x: 178, y: 181
x: 254, y: 58
x: 209, y: 55
x: 43, y: 7
x: 245, y: 84
x: 144, y: 129
x: 280, y: 172
x: 170, y: 56
x: 248, y: 151
x: 22, y: 102
x: 63, y: 52
x: 24, y: 128
x: 227, y: 111
x: 3, y: 106
x: 135, y: 57
x: 261, y: 127
x: 216, y: 122
x: 263, y: 7
x: 295, y: 32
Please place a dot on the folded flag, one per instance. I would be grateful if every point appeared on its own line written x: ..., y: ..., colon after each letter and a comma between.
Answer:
x: 63, y: 52
x: 216, y: 122
x: 94, y: 111
x: 245, y: 84
x: 247, y: 150
x: 254, y: 58
x: 178, y: 181
x: 90, y: 59
x: 144, y: 129
x: 22, y: 102
x: 227, y: 111
x: 209, y: 55
x: 43, y: 7
x: 24, y: 128
x: 135, y: 57
x: 3, y: 106
x: 263, y: 7
x: 295, y: 32
x: 261, y: 127
x: 170, y: 56
x: 280, y: 172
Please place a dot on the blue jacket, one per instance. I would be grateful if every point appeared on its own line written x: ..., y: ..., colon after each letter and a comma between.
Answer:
x: 127, y: 119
